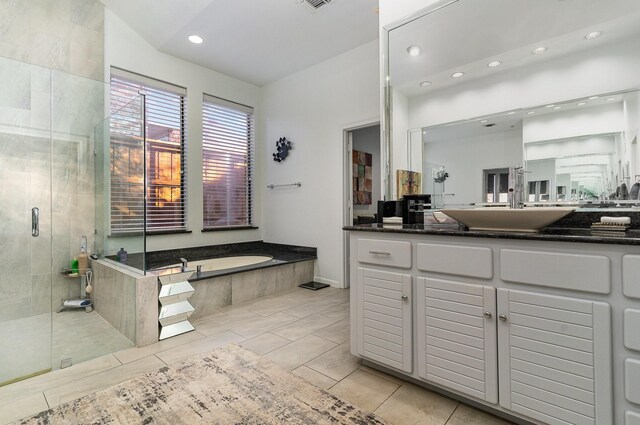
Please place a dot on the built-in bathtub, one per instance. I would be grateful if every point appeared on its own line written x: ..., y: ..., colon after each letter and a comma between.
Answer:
x: 231, y: 274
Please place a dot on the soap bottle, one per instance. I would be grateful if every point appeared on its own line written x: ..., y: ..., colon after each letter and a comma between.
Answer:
x: 122, y: 256
x: 83, y: 258
x: 74, y: 265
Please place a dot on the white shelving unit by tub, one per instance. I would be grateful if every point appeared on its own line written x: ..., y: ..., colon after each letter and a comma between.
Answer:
x: 175, y: 308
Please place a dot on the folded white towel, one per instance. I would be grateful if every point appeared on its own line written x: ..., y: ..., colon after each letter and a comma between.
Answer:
x: 392, y: 220
x: 615, y: 220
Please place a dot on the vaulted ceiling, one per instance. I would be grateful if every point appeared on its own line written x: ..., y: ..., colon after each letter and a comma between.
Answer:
x: 258, y: 41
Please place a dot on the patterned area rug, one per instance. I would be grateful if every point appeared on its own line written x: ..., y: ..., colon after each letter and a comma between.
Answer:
x: 229, y: 385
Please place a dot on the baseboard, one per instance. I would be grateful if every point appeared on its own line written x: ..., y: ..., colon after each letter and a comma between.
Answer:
x: 331, y: 282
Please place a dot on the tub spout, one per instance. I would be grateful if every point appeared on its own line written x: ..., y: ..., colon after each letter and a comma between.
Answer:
x: 184, y: 264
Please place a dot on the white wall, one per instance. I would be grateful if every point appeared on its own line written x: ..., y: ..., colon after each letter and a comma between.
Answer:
x: 127, y: 50
x: 368, y: 140
x: 312, y: 108
x: 465, y: 159
x: 399, y: 138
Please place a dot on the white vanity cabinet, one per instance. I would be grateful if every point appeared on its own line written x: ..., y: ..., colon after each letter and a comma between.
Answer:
x: 384, y: 318
x: 457, y: 336
x: 555, y: 358
x: 511, y: 341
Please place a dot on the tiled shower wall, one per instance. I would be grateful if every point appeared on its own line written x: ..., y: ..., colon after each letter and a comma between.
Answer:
x: 48, y: 110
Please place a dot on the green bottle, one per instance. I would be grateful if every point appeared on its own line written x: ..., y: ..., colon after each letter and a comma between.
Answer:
x: 74, y: 265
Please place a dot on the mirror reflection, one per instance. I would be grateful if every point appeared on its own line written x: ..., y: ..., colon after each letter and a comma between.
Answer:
x: 555, y: 94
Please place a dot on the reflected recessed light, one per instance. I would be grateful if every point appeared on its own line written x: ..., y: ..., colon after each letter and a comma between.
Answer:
x: 593, y: 35
x: 494, y: 64
x: 457, y: 74
x: 582, y: 103
x: 593, y: 97
x: 610, y: 99
x: 550, y: 106
x: 413, y: 50
x: 557, y: 107
x: 195, y: 39
x: 484, y: 121
x: 531, y: 112
x: 510, y: 113
x: 425, y: 83
x: 539, y: 50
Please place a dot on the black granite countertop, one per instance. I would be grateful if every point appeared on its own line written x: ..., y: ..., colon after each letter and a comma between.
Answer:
x: 560, y: 234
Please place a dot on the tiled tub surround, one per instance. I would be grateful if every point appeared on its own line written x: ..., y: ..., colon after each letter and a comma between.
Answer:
x: 128, y: 300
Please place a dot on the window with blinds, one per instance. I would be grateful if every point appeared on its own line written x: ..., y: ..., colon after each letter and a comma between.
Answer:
x: 227, y: 163
x: 165, y: 154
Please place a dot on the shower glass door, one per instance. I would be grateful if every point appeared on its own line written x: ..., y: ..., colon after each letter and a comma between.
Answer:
x: 25, y: 223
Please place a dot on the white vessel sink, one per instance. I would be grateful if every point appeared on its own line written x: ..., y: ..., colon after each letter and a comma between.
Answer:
x: 504, y: 219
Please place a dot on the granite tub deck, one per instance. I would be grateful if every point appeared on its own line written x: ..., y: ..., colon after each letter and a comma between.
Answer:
x: 128, y: 300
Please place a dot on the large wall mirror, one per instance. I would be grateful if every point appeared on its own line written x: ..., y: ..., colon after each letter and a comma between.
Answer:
x: 478, y: 86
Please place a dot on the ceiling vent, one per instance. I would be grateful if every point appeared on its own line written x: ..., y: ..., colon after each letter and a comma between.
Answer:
x: 314, y: 5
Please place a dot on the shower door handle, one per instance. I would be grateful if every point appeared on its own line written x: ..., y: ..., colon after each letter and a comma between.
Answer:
x: 35, y: 222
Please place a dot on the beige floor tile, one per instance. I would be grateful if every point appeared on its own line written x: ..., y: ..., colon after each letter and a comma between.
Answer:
x: 414, y: 405
x: 316, y: 378
x: 365, y: 390
x: 336, y: 363
x: 184, y: 351
x: 303, y: 327
x: 56, y: 378
x: 381, y: 374
x: 212, y: 325
x: 467, y: 415
x: 314, y: 306
x: 263, y: 325
x: 20, y: 408
x: 299, y: 352
x: 337, y: 332
x: 132, y: 354
x: 102, y: 380
x: 265, y: 343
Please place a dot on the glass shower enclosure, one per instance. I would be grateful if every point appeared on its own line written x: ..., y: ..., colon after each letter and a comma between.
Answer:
x: 50, y: 149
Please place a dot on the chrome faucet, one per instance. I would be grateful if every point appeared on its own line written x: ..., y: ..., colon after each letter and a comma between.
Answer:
x: 516, y: 187
x: 184, y: 264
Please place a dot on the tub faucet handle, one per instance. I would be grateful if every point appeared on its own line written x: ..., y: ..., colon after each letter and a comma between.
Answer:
x: 198, y: 270
x: 184, y: 264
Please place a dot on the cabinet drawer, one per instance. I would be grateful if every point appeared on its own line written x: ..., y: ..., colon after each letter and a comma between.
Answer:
x: 631, y: 418
x: 385, y: 253
x: 631, y: 326
x: 630, y: 273
x: 456, y: 260
x: 578, y: 272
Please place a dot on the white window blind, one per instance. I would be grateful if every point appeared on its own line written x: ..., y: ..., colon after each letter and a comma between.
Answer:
x: 165, y: 154
x: 227, y: 163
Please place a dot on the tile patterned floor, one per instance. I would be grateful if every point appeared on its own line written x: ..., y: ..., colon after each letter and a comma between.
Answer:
x: 306, y: 332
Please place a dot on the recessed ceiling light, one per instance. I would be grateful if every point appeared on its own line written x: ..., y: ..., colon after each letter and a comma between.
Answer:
x: 550, y: 106
x: 582, y: 103
x: 195, y: 39
x: 494, y: 64
x: 425, y: 83
x: 484, y: 121
x: 531, y: 112
x: 539, y: 50
x: 593, y: 97
x: 557, y: 107
x: 414, y: 50
x: 510, y: 113
x: 457, y: 74
x: 593, y: 35
x: 610, y: 99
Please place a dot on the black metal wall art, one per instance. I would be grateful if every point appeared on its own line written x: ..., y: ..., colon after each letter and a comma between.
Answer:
x: 283, y: 146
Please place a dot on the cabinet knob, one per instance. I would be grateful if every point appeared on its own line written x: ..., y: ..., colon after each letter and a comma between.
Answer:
x: 488, y: 314
x: 404, y: 298
x: 503, y: 317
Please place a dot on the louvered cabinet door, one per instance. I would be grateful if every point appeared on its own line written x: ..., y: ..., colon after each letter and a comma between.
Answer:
x: 457, y: 337
x: 555, y: 358
x: 384, y: 318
